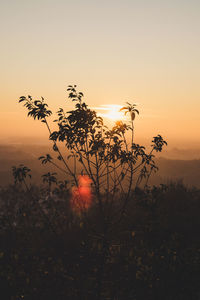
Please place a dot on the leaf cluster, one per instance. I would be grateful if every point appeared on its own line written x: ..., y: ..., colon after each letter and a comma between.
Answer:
x: 20, y: 173
x: 36, y: 108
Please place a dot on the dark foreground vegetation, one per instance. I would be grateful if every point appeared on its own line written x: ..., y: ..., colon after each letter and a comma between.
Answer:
x: 50, y: 251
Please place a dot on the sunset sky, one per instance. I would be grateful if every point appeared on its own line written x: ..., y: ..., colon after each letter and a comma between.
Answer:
x: 146, y: 52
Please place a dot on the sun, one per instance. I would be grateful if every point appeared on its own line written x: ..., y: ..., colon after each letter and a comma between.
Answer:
x: 112, y: 112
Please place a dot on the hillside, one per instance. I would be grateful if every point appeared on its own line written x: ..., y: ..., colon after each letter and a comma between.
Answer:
x: 187, y: 170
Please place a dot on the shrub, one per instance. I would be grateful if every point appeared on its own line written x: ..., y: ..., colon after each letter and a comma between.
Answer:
x: 114, y: 164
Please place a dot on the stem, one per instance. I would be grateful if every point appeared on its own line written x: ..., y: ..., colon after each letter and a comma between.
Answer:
x: 75, y: 164
x: 132, y: 135
x: 66, y: 165
x: 25, y: 185
x: 88, y: 161
x: 88, y: 171
x: 138, y: 180
x: 58, y: 167
x: 148, y: 178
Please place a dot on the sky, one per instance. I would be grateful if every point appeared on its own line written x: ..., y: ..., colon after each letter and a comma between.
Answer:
x: 144, y: 52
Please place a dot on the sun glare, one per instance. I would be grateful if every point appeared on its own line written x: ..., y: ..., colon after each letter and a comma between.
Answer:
x: 114, y: 115
x: 82, y: 195
x: 112, y: 112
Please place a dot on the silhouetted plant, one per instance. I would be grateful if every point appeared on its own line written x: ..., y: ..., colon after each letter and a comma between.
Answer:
x: 104, y: 154
x: 130, y: 108
x: 49, y: 178
x: 20, y: 173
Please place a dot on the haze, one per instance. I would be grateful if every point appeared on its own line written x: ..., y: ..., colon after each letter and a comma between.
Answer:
x: 115, y: 51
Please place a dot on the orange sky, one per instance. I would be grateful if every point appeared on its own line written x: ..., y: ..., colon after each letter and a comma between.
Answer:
x: 115, y: 51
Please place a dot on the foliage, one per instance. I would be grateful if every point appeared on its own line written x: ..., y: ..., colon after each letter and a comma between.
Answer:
x: 20, y: 173
x: 49, y: 178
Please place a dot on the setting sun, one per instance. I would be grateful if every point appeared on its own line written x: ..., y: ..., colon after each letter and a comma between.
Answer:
x: 112, y: 112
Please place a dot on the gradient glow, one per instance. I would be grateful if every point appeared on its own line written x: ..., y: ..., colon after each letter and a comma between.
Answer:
x: 115, y: 51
